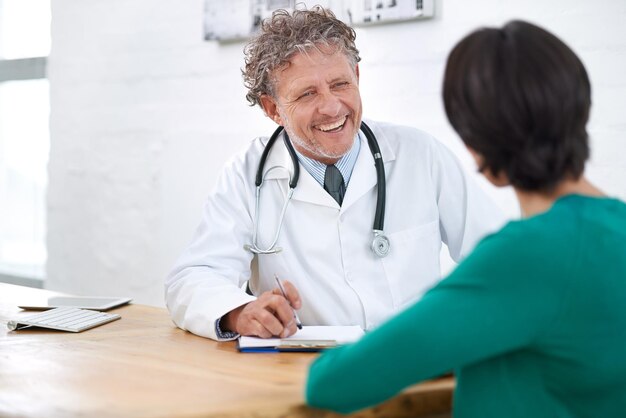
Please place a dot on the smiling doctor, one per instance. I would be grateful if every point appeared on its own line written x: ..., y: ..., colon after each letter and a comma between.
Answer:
x: 350, y: 214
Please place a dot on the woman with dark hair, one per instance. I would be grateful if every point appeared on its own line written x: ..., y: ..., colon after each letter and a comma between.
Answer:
x: 533, y: 322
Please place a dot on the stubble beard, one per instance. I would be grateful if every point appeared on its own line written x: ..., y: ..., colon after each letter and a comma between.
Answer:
x: 312, y: 147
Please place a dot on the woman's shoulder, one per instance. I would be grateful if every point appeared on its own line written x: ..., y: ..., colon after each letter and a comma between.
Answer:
x: 556, y: 234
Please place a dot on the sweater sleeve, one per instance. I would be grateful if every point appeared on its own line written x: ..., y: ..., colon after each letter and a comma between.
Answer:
x: 489, y: 305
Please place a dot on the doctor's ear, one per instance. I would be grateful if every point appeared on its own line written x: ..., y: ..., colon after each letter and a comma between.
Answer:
x: 270, y: 108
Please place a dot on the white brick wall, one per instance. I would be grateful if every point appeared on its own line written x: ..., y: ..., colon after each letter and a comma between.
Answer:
x: 144, y: 113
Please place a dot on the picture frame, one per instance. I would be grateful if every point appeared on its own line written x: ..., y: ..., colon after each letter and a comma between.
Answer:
x: 233, y: 20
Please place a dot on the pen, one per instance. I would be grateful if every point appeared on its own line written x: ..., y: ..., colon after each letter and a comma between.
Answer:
x: 282, y: 290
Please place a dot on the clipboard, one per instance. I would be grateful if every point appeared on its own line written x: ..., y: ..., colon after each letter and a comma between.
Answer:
x: 287, y: 346
x: 305, y: 345
x: 309, y: 339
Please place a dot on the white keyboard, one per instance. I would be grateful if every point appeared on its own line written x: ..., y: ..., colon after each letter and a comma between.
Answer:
x: 64, y: 319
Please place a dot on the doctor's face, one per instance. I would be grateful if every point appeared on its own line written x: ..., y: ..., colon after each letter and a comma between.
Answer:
x: 318, y: 102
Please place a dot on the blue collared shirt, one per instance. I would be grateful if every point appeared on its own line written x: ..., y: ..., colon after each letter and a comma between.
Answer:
x: 345, y: 163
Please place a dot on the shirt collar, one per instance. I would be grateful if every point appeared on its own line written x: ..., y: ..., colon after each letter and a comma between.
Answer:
x: 345, y: 163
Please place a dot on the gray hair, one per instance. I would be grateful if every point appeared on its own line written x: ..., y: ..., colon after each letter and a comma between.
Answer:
x: 285, y: 34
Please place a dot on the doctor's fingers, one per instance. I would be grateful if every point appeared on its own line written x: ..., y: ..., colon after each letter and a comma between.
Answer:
x: 292, y: 294
x: 256, y: 328
x: 257, y: 320
x: 281, y: 310
x: 284, y: 312
x: 268, y: 320
x: 260, y: 330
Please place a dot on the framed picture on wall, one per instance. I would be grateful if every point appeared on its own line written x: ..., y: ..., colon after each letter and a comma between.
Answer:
x: 367, y: 12
x: 229, y: 20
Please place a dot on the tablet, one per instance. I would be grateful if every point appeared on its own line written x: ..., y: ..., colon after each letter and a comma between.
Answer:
x: 84, y: 302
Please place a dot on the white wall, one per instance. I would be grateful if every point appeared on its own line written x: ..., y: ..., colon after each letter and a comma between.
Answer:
x: 144, y: 113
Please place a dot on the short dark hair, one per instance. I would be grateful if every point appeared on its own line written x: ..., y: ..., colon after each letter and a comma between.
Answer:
x: 520, y: 97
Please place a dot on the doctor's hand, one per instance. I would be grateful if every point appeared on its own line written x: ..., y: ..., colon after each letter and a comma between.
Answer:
x: 270, y: 315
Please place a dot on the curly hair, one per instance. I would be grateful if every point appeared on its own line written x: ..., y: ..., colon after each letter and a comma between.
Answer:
x: 520, y: 97
x: 285, y: 34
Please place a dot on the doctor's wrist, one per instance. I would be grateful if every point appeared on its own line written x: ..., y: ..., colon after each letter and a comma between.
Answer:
x: 229, y: 321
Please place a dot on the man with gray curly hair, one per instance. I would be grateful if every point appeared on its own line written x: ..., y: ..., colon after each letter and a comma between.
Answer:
x: 316, y: 41
x: 302, y: 70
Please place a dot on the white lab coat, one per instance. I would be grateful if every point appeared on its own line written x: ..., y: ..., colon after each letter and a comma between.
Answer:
x: 326, y: 248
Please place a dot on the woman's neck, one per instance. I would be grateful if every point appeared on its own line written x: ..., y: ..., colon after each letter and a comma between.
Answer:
x: 533, y: 203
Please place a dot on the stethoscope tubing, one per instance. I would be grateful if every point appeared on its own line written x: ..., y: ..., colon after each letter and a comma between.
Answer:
x: 380, y: 244
x: 293, y: 181
x: 379, y: 216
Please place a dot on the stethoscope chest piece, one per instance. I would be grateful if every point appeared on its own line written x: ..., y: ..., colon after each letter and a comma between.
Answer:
x: 380, y: 244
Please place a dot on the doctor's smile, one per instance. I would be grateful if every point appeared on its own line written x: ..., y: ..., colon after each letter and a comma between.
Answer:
x: 332, y: 127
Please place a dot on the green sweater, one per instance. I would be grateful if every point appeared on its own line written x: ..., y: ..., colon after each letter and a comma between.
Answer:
x: 533, y: 323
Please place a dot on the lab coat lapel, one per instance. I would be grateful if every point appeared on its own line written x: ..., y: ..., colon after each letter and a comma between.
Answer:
x: 364, y: 177
x: 278, y: 157
x: 308, y: 189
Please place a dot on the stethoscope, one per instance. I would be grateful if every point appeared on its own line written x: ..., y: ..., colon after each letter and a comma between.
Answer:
x: 380, y: 243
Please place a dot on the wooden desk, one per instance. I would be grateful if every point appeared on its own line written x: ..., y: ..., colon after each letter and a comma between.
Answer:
x: 143, y: 366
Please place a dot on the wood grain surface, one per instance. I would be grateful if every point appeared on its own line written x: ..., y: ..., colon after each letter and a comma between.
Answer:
x: 143, y: 366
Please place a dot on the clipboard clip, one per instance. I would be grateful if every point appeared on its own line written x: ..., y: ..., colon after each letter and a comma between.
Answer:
x: 305, y: 345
